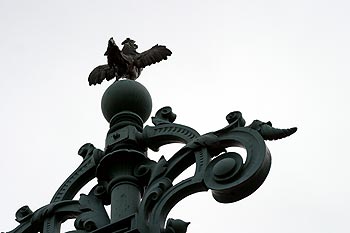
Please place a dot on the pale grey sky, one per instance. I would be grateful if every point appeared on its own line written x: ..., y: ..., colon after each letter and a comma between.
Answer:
x: 283, y: 61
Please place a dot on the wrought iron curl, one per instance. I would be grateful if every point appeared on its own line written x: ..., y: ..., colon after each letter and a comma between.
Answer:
x: 224, y: 175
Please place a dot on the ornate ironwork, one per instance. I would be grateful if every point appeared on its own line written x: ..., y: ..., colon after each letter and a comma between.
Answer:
x: 141, y: 191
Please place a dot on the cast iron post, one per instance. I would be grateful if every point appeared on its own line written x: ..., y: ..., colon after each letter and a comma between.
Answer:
x: 126, y: 105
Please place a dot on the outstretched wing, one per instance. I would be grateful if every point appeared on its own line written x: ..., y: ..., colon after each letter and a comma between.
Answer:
x: 156, y: 54
x: 101, y: 73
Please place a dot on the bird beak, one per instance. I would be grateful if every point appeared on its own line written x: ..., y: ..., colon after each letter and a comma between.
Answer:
x: 112, y: 41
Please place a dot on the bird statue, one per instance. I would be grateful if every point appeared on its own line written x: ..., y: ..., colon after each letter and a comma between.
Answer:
x: 127, y: 63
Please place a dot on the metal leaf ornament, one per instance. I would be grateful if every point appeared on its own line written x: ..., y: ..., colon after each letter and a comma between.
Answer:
x: 270, y: 133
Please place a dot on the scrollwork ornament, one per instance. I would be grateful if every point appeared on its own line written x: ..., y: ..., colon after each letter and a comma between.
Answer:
x: 164, y: 115
x: 23, y: 213
x: 93, y: 214
x: 154, y: 193
x: 143, y: 171
x: 222, y: 170
x: 228, y: 177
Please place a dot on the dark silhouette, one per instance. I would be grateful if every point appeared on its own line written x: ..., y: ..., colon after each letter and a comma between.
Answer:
x: 127, y: 63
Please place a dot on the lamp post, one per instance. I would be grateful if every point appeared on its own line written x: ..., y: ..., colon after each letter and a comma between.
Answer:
x: 141, y: 191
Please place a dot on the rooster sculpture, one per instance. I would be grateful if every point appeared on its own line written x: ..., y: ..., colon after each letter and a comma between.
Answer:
x: 126, y: 63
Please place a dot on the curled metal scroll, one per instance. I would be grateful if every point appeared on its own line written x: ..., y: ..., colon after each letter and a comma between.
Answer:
x: 227, y: 176
x: 81, y: 176
x: 48, y: 218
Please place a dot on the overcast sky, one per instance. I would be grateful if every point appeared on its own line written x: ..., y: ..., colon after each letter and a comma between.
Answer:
x: 281, y: 61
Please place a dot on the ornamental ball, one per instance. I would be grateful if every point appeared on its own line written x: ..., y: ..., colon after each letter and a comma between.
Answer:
x: 126, y: 95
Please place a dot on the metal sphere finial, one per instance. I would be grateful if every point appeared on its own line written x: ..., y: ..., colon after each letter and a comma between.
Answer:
x: 129, y: 96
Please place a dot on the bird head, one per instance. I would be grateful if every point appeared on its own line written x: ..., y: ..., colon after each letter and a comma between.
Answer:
x: 130, y: 42
x: 111, y: 44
